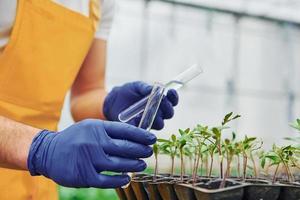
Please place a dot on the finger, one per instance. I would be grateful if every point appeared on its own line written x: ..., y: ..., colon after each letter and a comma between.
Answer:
x: 118, y: 164
x: 117, y: 130
x: 109, y: 181
x: 142, y: 88
x: 166, y: 108
x: 158, y: 123
x: 128, y: 149
x: 173, y: 97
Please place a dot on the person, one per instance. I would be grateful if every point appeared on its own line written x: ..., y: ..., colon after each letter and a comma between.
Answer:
x: 47, y: 48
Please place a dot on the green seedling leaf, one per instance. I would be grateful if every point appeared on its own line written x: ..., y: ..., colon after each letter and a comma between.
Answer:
x: 181, y: 132
x: 235, y: 117
x: 296, y: 125
x: 233, y: 135
x: 162, y: 140
x: 216, y: 132
x: 173, y: 137
x: 187, y: 130
x: 226, y: 118
x: 227, y: 141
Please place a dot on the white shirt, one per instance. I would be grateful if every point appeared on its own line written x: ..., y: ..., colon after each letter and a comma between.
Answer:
x: 8, y: 13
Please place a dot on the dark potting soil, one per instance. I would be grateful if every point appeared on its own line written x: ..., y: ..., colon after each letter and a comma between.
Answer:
x: 215, y: 184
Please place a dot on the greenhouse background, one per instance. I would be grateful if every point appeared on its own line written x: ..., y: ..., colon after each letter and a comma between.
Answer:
x: 249, y: 51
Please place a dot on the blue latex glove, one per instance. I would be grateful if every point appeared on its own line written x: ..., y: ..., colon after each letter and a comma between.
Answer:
x: 124, y: 96
x: 76, y: 156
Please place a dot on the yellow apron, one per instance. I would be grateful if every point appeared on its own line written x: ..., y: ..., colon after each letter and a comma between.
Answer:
x: 37, y: 67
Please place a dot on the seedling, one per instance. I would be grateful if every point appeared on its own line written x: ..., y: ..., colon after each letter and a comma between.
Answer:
x: 155, y: 152
x: 238, y: 153
x: 229, y: 148
x: 200, y: 134
x: 281, y: 156
x: 295, y: 125
x: 211, y: 148
x: 217, y: 136
x: 170, y: 147
x: 185, y: 137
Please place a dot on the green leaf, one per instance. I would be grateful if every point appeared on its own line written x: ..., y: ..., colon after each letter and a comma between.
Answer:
x: 216, y: 132
x: 187, y: 130
x: 163, y: 140
x: 173, y: 137
x: 227, y: 141
x: 251, y: 139
x: 235, y: 117
x: 182, y: 144
x: 181, y: 132
x: 227, y: 116
x: 233, y: 135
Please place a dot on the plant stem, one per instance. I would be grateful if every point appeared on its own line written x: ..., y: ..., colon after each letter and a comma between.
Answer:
x: 201, y: 167
x: 245, y: 159
x: 206, y: 164
x: 254, y: 165
x: 287, y: 171
x: 221, y: 161
x: 195, y: 168
x: 238, y: 166
x: 156, y: 168
x: 211, y: 164
x: 191, y: 164
x: 275, y: 174
x: 181, y: 160
x: 172, y: 165
x: 223, y: 183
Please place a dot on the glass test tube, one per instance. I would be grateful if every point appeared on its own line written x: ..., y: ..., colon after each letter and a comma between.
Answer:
x: 152, y: 106
x: 176, y: 83
x: 150, y: 110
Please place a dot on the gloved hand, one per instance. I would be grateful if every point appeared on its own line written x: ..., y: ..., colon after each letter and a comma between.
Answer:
x: 75, y: 156
x: 124, y: 96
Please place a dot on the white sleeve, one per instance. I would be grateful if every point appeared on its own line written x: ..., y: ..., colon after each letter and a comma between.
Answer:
x: 107, y: 15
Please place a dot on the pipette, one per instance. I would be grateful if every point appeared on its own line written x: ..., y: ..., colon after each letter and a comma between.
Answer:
x: 176, y: 83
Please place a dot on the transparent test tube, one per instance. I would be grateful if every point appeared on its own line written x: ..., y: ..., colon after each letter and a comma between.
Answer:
x: 150, y: 110
x: 152, y: 106
x: 176, y: 83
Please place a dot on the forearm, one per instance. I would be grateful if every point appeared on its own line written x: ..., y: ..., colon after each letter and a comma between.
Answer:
x: 88, y: 91
x: 88, y: 104
x: 15, y: 141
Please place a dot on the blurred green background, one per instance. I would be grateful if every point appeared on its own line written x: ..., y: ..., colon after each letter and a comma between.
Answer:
x: 87, y: 194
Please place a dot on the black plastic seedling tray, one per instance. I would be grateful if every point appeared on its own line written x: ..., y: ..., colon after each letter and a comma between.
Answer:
x: 290, y: 191
x: 165, y: 187
x: 261, y: 189
x: 210, y: 191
